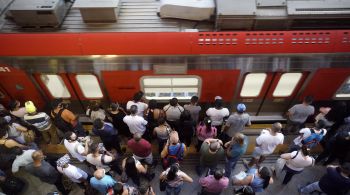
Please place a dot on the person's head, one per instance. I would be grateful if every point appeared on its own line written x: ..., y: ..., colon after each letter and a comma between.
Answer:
x: 174, y: 138
x: 194, y: 100
x: 98, y: 124
x: 95, y: 106
x: 265, y: 174
x: 94, y: 148
x: 114, y: 106
x: 218, y: 103
x: 138, y: 96
x: 185, y: 116
x: 241, y: 108
x: 38, y: 156
x: 144, y: 189
x: 56, y: 103
x: 305, y: 150
x: 130, y: 167
x: 174, y: 168
x: 161, y: 121
x: 14, y: 105
x: 245, y: 190
x: 238, y: 138
x: 70, y: 136
x: 30, y: 107
x: 3, y: 133
x: 118, y: 189
x: 99, y: 174
x: 214, y: 147
x: 173, y: 102
x: 17, y: 151
x: 133, y: 109
x: 345, y: 168
x: 308, y: 99
x: 276, y: 127
x: 152, y: 104
x: 207, y: 122
x: 320, y: 124
x: 218, y: 173
x: 137, y: 137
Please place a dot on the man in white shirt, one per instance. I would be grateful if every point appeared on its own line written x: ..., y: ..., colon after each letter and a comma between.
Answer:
x: 266, y: 143
x: 23, y: 158
x: 217, y: 114
x: 137, y: 100
x: 74, y: 173
x: 74, y: 147
x: 136, y: 124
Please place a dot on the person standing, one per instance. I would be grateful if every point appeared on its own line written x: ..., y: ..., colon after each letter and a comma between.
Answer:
x: 174, y: 178
x: 76, y: 148
x: 186, y: 128
x: 141, y: 149
x: 138, y: 101
x: 108, y: 135
x: 173, y: 151
x: 194, y: 108
x: 102, y: 182
x: 136, y: 123
x: 205, y: 131
x: 235, y: 150
x: 117, y: 114
x: 217, y: 114
x: 16, y: 109
x: 23, y: 158
x: 214, y: 184
x: 162, y: 133
x: 210, y: 154
x: 173, y: 112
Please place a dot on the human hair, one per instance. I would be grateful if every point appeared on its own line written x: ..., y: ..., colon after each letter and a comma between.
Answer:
x: 161, y: 121
x: 305, y: 150
x: 320, y: 124
x: 207, y: 123
x: 152, y: 104
x: 174, y: 168
x: 218, y: 174
x: 13, y: 105
x: 143, y: 189
x: 185, y: 116
x: 173, y: 102
x: 3, y: 132
x: 138, y: 96
x: 94, y: 147
x: 194, y: 99
x: 68, y: 134
x: 98, y: 124
x: 265, y: 174
x: 130, y: 166
x: 308, y: 99
x: 95, y: 106
x: 276, y: 127
x: 218, y: 103
x: 4, y: 124
x: 338, y: 112
x: 133, y: 109
x: 37, y: 155
x: 118, y: 189
x: 345, y: 168
x: 56, y: 102
x: 17, y: 150
x: 114, y: 106
x: 238, y: 138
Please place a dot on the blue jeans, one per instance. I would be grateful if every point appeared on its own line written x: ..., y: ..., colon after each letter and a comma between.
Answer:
x: 170, y: 189
x: 230, y: 164
x: 310, y: 188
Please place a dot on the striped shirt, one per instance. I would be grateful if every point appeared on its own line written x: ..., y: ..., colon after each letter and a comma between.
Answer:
x: 40, y: 120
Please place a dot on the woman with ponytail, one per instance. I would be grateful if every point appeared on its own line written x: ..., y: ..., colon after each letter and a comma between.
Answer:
x: 174, y: 178
x: 257, y: 179
x: 296, y: 162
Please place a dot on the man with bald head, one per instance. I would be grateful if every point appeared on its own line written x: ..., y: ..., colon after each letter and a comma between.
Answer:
x: 101, y: 181
x: 266, y: 143
x: 141, y: 148
x: 44, y: 171
x: 211, y: 153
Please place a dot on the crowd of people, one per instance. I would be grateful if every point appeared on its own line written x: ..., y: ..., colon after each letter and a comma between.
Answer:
x: 216, y: 134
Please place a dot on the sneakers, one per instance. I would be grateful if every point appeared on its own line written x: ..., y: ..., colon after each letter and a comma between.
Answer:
x: 245, y: 163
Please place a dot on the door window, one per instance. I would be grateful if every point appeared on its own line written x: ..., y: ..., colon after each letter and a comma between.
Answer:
x: 287, y: 84
x: 55, y: 85
x: 344, y: 90
x: 253, y: 84
x: 89, y: 85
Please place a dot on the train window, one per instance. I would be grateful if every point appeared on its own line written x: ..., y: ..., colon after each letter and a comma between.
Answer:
x: 344, y: 90
x: 252, y: 85
x: 55, y: 85
x: 89, y: 86
x: 287, y: 84
x: 164, y: 88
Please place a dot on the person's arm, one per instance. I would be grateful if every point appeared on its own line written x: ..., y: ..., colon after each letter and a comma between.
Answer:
x: 227, y: 144
x: 249, y: 122
x: 246, y: 181
x: 15, y: 166
x: 86, y: 149
x: 165, y: 150
x: 286, y: 156
x: 162, y: 176
x: 141, y: 168
x: 12, y: 143
x: 151, y: 191
x: 186, y: 178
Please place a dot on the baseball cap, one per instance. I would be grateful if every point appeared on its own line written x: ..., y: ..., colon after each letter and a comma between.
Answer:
x: 241, y: 107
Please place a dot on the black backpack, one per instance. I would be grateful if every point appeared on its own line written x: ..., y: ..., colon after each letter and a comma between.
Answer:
x: 60, y: 123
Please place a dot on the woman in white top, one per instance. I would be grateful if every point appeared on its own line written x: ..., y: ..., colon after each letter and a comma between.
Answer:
x: 101, y: 161
x: 174, y: 178
x: 173, y: 112
x: 217, y: 114
x: 296, y: 162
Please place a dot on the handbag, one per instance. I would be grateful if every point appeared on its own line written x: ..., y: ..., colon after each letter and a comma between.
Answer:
x: 162, y: 185
x: 29, y: 136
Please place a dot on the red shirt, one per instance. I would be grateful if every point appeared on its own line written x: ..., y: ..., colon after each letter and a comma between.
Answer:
x: 142, y: 148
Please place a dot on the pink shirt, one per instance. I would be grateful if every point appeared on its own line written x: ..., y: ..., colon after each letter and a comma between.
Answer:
x: 212, y: 185
x: 142, y: 148
x: 202, y: 132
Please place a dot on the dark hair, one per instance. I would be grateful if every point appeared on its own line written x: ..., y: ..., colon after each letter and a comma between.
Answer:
x: 17, y: 150
x: 194, y: 99
x: 305, y: 150
x: 130, y: 167
x: 244, y: 190
x: 56, y: 102
x: 338, y: 112
x: 174, y: 168
x: 4, y: 124
x: 98, y: 124
x: 218, y: 174
x: 218, y: 103
x: 118, y: 189
x: 320, y: 124
x: 265, y: 174
x: 143, y: 189
x: 2, y: 132
x: 207, y: 122
x: 152, y: 104
x: 95, y: 106
x: 133, y: 109
x: 345, y: 168
x: 308, y: 99
x: 93, y: 147
x: 161, y: 120
x: 138, y: 96
x: 13, y: 104
x: 185, y: 116
x: 173, y: 102
x: 67, y: 135
x: 114, y: 106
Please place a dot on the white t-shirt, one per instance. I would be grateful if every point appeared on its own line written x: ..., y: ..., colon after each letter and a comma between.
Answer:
x: 217, y: 115
x: 141, y: 107
x: 98, y: 162
x: 136, y: 124
x: 267, y: 142
x: 22, y: 160
x: 75, y: 149
x: 73, y: 173
x: 299, y: 162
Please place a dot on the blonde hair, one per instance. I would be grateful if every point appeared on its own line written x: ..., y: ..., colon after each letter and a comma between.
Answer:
x: 238, y: 138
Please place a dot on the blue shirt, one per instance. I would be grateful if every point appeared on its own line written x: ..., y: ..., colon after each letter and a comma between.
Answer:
x: 103, y: 184
x: 106, y: 131
x: 238, y: 150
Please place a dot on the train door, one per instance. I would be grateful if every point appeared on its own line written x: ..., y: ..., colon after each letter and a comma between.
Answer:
x: 76, y: 89
x: 269, y: 93
x: 17, y: 84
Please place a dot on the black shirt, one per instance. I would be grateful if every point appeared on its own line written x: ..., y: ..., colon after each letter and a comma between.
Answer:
x: 333, y: 182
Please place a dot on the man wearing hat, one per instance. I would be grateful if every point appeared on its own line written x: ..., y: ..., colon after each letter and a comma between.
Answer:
x: 42, y: 122
x: 236, y: 123
x: 211, y: 153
